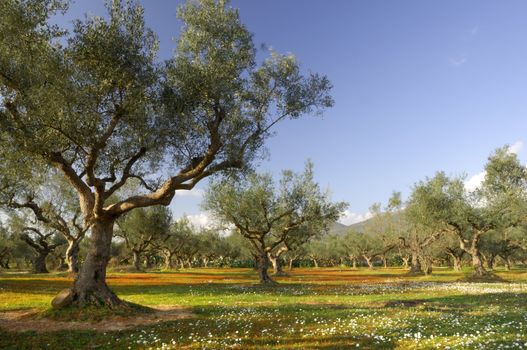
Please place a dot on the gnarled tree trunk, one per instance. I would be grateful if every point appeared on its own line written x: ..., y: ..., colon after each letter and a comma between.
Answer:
x: 457, y: 263
x: 384, y: 261
x: 353, y: 260
x: 136, y: 257
x: 168, y: 260
x: 277, y: 266
x: 368, y: 261
x: 406, y: 260
x: 415, y: 267
x: 39, y: 262
x: 427, y: 266
x: 291, y: 260
x: 490, y: 261
x: 150, y: 262
x: 263, y: 265
x: 72, y: 255
x: 477, y: 263
x: 63, y: 265
x: 315, y: 262
x: 508, y: 264
x: 90, y: 286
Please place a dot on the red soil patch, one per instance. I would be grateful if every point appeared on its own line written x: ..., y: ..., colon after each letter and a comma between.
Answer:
x: 26, y: 320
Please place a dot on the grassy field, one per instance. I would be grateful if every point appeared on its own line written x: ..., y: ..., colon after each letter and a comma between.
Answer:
x: 311, y: 309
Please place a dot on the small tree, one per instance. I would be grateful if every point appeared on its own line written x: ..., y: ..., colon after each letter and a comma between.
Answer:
x: 142, y: 228
x: 420, y: 233
x: 367, y: 246
x: 498, y: 205
x: 179, y: 235
x: 449, y: 244
x: 41, y: 240
x: 379, y: 234
x: 211, y: 246
x: 268, y: 216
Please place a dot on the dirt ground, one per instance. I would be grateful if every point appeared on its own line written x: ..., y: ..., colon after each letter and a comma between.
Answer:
x: 27, y: 320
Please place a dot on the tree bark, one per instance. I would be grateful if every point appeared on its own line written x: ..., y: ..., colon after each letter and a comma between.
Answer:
x: 150, y: 262
x: 263, y: 265
x: 427, y: 264
x: 136, y: 260
x: 72, y: 256
x: 368, y: 261
x: 490, y: 261
x: 457, y: 263
x: 277, y: 266
x: 415, y: 267
x: 291, y: 260
x: 4, y: 263
x: 63, y: 265
x: 90, y: 286
x: 405, y: 259
x: 39, y: 262
x: 477, y: 264
x: 353, y: 260
x: 168, y: 260
x: 315, y: 262
x: 384, y: 262
x: 189, y: 263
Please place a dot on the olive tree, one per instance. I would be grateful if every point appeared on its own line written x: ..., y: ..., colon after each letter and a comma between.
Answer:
x: 179, y: 235
x: 54, y: 206
x: 379, y: 234
x: 97, y: 105
x: 470, y: 216
x: 42, y: 240
x: 420, y: 233
x: 141, y: 229
x: 269, y: 215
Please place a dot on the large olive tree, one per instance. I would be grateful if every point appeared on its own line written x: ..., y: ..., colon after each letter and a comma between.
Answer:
x: 98, y: 106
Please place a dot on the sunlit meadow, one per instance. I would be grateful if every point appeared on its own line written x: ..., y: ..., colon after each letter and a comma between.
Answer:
x: 310, y: 309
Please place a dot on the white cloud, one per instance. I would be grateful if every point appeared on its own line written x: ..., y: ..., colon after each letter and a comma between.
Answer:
x: 204, y: 220
x: 349, y: 218
x: 516, y: 147
x: 195, y: 192
x: 474, y: 182
x: 201, y: 220
x: 458, y: 61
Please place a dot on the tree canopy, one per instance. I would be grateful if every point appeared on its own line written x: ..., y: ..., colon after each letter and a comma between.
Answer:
x: 98, y: 106
x: 273, y: 217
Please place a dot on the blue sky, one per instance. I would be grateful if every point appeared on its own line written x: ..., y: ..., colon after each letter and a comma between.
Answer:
x: 419, y: 86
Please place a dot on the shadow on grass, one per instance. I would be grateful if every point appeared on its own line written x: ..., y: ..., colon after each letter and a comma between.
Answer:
x: 291, y: 324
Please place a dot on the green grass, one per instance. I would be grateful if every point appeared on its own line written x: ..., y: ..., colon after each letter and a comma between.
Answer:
x: 311, y: 309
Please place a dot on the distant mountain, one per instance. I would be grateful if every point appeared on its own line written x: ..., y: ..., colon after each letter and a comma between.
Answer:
x: 359, y: 226
x: 338, y: 229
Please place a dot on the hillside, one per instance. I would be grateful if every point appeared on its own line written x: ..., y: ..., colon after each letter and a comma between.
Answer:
x: 338, y: 229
